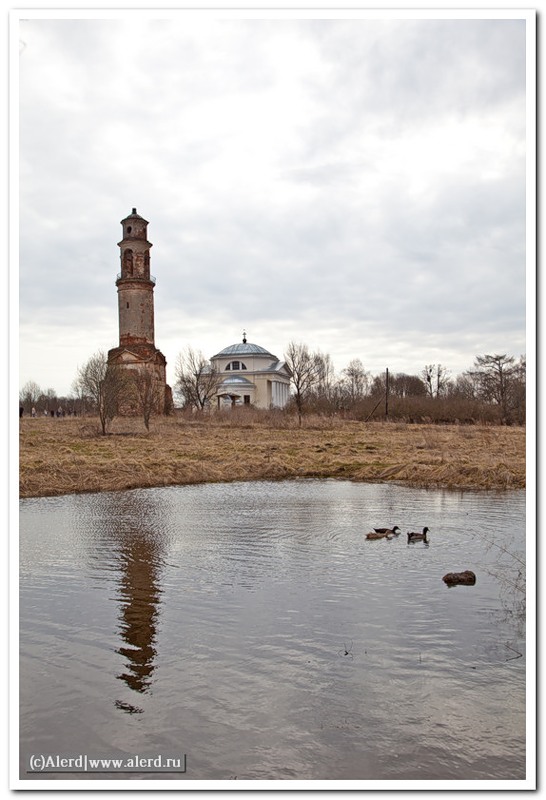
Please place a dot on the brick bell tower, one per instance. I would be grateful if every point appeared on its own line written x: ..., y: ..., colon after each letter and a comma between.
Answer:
x: 137, y: 350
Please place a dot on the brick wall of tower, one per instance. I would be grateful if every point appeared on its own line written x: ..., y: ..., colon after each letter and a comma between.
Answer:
x: 136, y: 312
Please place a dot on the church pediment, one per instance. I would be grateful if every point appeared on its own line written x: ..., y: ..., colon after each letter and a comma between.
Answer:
x: 143, y: 355
x: 279, y: 367
x: 126, y: 356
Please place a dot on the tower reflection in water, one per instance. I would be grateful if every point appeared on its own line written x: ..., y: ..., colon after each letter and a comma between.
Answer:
x: 140, y: 557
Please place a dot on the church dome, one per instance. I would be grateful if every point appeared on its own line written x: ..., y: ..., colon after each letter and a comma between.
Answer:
x: 244, y: 349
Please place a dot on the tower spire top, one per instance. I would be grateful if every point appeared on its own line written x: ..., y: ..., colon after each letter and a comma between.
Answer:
x: 244, y: 337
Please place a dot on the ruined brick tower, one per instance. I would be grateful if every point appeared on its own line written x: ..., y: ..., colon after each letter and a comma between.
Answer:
x: 137, y: 350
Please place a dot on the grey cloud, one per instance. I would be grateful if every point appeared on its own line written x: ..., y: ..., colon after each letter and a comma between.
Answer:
x: 393, y: 77
x: 333, y: 241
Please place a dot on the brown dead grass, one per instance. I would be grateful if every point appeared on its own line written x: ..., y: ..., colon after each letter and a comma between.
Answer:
x: 63, y: 456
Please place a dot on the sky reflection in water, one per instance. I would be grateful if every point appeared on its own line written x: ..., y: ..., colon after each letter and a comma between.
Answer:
x: 253, y: 628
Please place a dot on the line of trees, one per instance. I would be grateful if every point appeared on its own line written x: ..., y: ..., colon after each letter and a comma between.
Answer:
x: 99, y: 388
x: 492, y: 390
x: 46, y: 401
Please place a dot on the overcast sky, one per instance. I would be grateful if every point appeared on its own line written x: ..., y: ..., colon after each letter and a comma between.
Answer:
x: 356, y: 184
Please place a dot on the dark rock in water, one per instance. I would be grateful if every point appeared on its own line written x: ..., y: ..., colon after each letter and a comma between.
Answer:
x: 466, y: 578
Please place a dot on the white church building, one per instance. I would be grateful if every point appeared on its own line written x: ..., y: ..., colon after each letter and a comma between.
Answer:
x: 251, y: 375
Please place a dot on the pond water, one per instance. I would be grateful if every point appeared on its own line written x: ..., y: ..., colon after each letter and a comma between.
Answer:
x: 251, y: 631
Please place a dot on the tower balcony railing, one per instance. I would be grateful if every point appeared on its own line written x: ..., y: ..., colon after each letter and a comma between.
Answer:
x: 135, y: 277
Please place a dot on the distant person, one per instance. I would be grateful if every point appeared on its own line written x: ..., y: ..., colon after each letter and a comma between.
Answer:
x: 45, y: 413
x: 33, y: 412
x: 52, y: 413
x: 21, y: 411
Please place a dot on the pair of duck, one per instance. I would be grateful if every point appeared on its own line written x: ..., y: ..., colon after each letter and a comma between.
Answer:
x: 381, y: 533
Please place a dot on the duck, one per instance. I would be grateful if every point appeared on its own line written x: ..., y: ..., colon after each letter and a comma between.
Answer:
x: 416, y: 537
x: 376, y: 535
x: 389, y: 531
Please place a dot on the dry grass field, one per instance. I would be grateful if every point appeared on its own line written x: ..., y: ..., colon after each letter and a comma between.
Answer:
x: 62, y: 456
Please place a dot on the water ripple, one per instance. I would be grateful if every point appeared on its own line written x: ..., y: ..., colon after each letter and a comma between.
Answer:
x: 254, y: 627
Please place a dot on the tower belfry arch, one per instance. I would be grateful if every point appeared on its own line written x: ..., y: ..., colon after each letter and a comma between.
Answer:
x: 136, y: 351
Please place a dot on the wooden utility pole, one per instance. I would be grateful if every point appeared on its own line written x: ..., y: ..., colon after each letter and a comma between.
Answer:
x: 387, y: 393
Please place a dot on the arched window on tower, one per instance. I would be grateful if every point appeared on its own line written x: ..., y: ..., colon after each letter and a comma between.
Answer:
x: 128, y: 262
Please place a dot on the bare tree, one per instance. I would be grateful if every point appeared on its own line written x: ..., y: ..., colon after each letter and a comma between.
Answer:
x: 306, y: 370
x: 495, y: 376
x: 402, y: 385
x: 105, y: 384
x: 518, y: 392
x: 148, y: 393
x: 464, y: 387
x: 50, y: 399
x: 197, y: 380
x: 325, y: 386
x: 29, y: 395
x: 436, y: 379
x: 379, y: 385
x: 355, y: 380
x: 80, y: 396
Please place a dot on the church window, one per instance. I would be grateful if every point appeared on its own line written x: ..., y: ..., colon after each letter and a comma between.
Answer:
x: 236, y: 365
